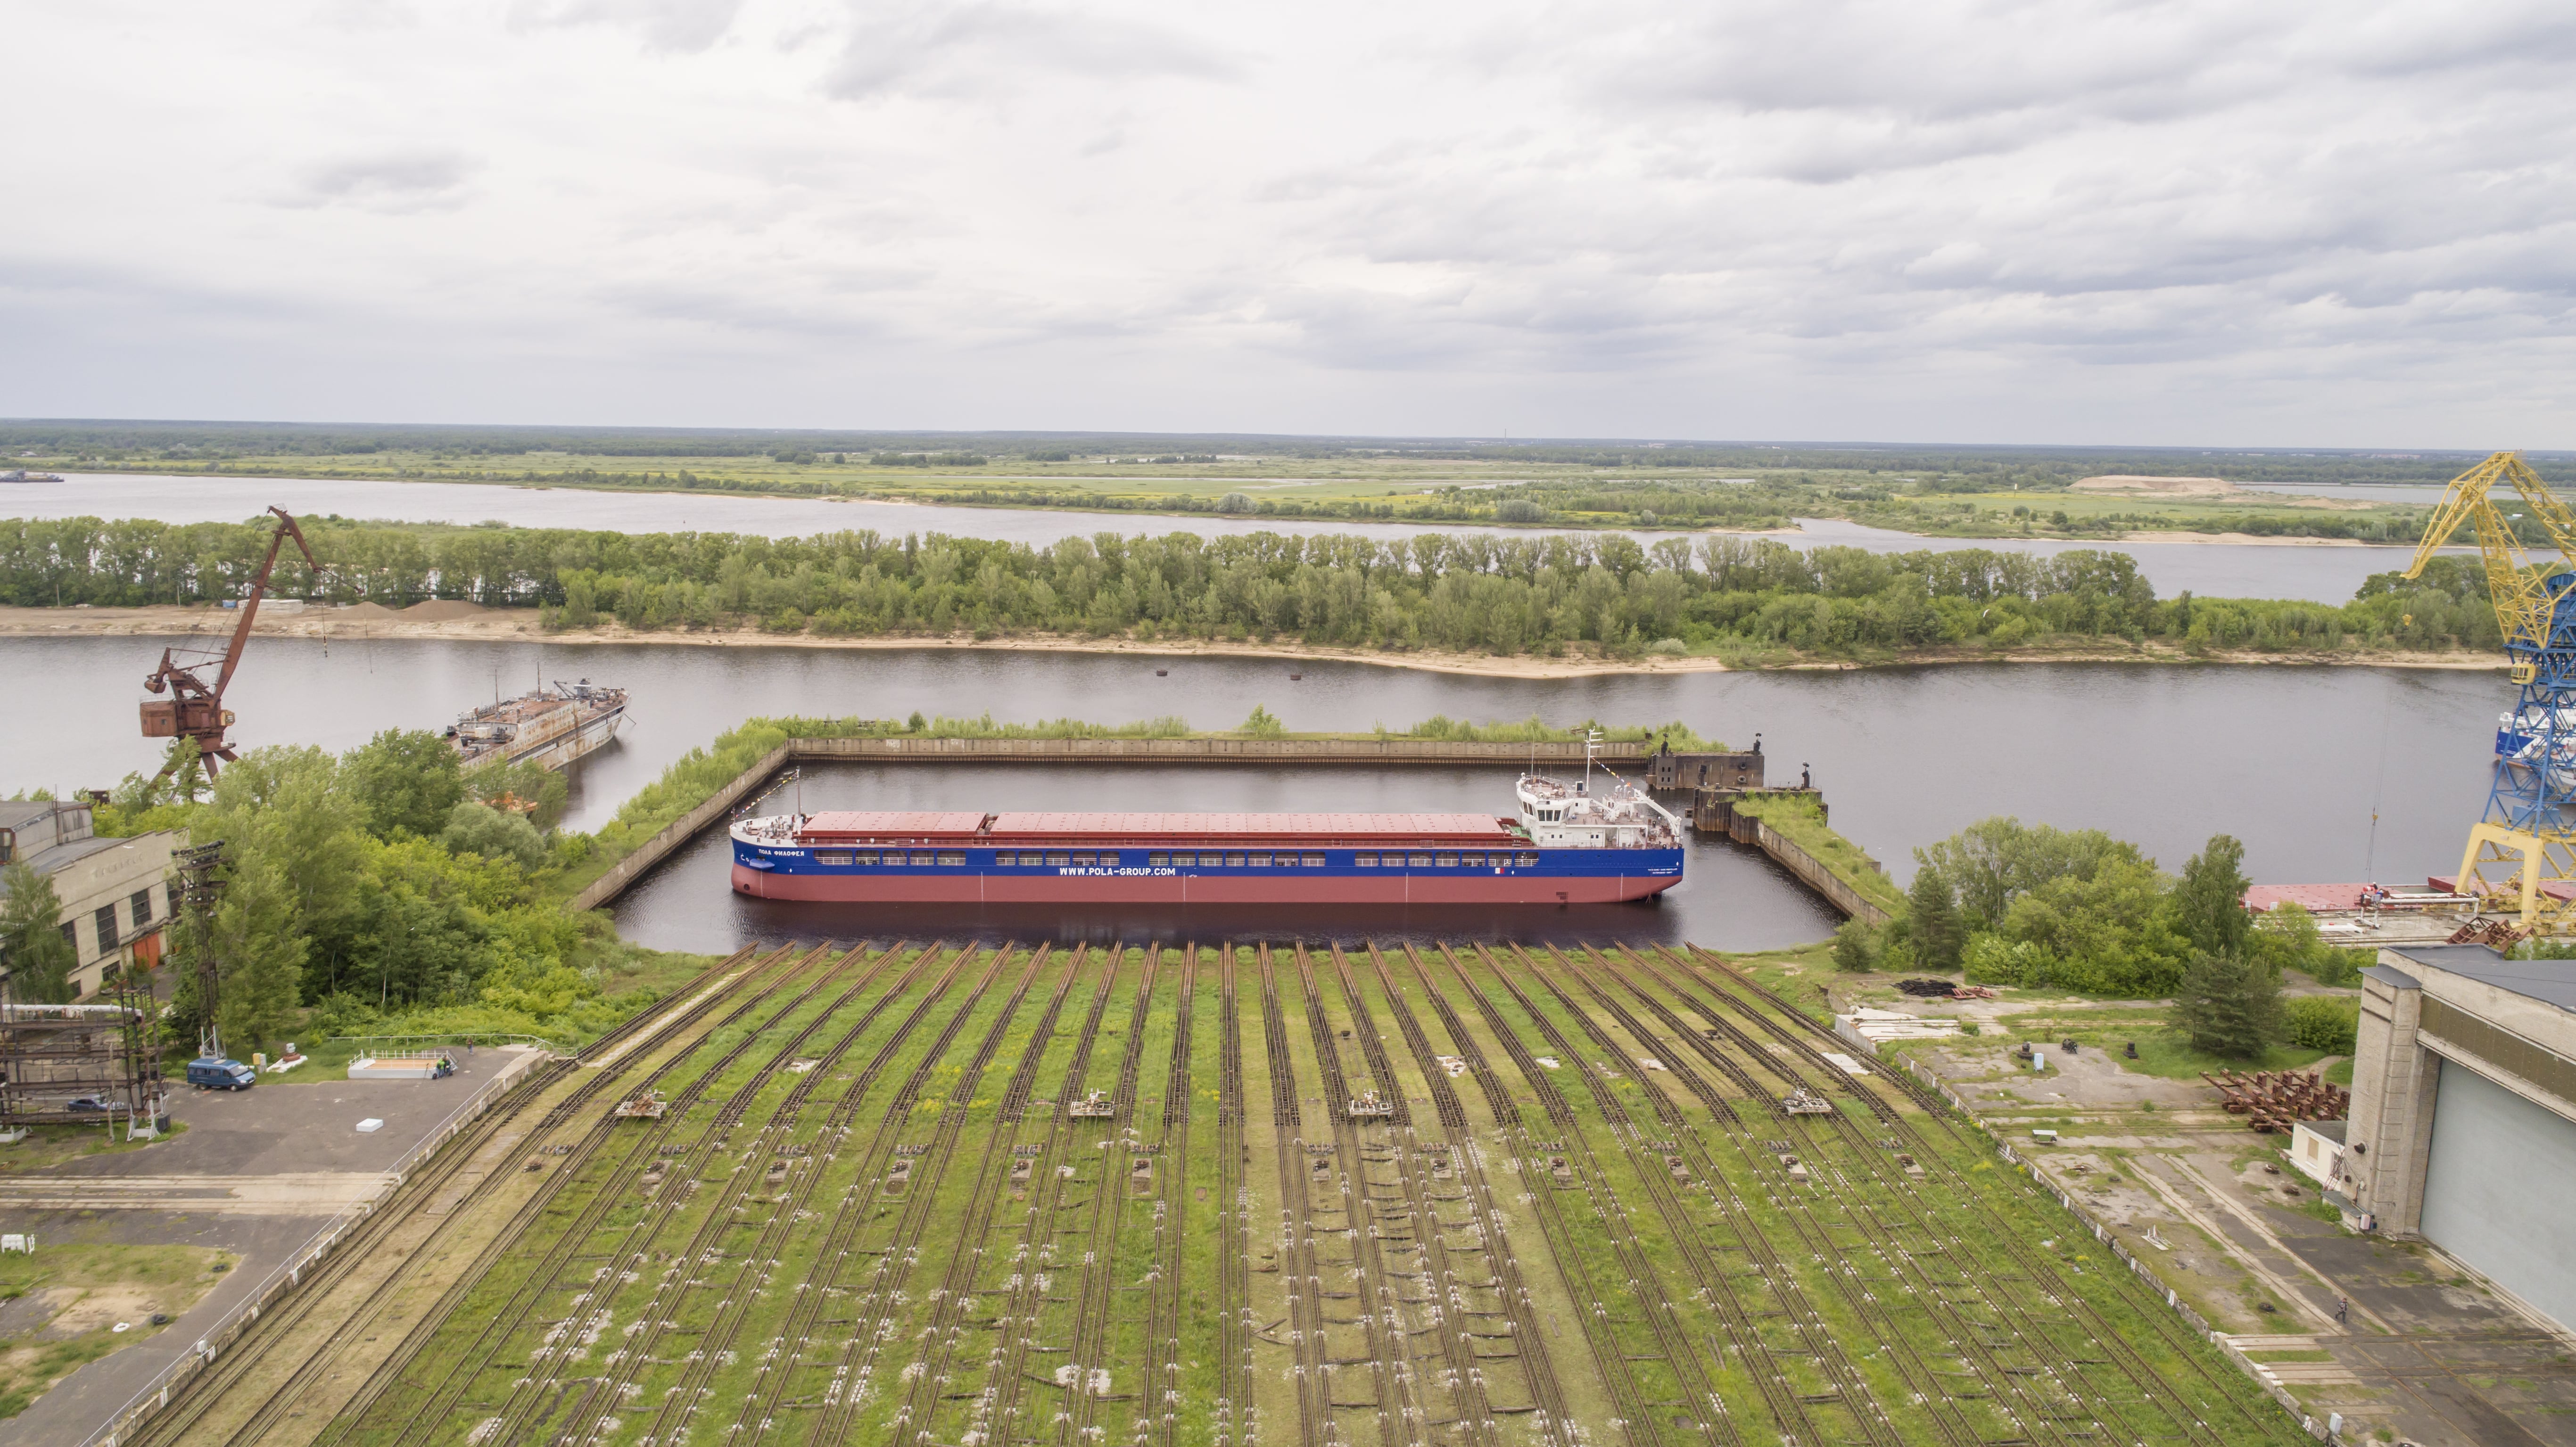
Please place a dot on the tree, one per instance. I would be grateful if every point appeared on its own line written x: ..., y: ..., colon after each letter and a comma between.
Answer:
x: 1856, y: 947
x: 1934, y: 920
x: 262, y: 983
x: 1995, y: 861
x: 2209, y: 904
x: 40, y: 960
x: 528, y: 781
x: 493, y: 833
x: 404, y: 779
x: 2228, y: 1005
x: 284, y: 806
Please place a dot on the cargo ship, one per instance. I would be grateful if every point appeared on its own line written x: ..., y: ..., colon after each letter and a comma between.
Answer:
x: 1586, y: 841
x: 552, y: 726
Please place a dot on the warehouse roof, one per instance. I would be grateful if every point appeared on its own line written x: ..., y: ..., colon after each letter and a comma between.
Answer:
x: 2552, y: 982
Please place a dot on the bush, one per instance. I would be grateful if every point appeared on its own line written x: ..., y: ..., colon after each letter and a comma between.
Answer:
x: 2322, y: 1022
x: 493, y: 833
x: 1856, y: 947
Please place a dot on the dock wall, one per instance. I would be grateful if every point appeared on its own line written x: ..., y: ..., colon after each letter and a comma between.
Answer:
x: 1238, y: 753
x: 1713, y: 812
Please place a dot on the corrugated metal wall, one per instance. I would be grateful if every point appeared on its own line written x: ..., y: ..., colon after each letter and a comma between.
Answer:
x: 2497, y: 1188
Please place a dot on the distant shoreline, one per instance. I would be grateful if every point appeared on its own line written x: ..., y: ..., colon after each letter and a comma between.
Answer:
x: 520, y: 625
x: 1249, y: 522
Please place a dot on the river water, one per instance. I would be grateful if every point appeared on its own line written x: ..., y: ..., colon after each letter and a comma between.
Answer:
x: 2316, y: 573
x: 2295, y: 761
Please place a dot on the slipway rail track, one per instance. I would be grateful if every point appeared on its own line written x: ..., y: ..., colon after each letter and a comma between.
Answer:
x: 973, y: 1195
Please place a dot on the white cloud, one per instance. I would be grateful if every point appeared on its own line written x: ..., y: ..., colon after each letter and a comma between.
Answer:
x: 2093, y: 220
x: 399, y: 180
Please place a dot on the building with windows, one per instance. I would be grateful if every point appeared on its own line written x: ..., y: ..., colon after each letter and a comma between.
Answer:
x: 116, y: 894
x: 2463, y: 1123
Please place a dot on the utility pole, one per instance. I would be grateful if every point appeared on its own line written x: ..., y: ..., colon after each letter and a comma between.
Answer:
x: 201, y: 887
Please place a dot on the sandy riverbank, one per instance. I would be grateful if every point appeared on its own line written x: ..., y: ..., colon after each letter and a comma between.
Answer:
x: 515, y: 625
x: 2249, y: 540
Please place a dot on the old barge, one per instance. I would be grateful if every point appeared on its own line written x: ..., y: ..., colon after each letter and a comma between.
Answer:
x: 552, y: 726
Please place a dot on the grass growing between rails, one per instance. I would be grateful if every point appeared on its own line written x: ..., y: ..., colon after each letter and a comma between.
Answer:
x: 70, y: 1299
x: 1091, y: 1230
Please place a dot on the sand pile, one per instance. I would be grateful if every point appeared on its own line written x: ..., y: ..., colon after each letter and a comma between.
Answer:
x: 2161, y: 486
x: 368, y: 610
x: 443, y: 610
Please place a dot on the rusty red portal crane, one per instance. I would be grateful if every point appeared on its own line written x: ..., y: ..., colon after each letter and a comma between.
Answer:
x: 194, y: 710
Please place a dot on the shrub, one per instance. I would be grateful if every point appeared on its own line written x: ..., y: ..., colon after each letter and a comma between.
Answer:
x: 1856, y: 947
x: 494, y: 834
x: 2322, y: 1022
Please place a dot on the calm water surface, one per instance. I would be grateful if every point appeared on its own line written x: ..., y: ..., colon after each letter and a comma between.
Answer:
x: 2294, y: 761
x: 2217, y: 570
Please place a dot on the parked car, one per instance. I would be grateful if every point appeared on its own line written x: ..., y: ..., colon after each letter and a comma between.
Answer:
x: 89, y: 1104
x: 207, y: 1074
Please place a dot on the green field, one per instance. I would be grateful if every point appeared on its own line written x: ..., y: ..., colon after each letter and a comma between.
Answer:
x: 959, y: 1195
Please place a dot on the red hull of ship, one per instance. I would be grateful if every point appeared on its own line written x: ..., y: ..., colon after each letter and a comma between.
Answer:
x: 1196, y: 889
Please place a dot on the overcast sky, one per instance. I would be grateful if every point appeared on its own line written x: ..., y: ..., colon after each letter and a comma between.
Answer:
x: 2218, y: 223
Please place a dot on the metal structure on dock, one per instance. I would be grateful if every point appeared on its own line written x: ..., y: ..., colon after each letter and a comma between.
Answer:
x: 2521, y: 857
x: 83, y: 1064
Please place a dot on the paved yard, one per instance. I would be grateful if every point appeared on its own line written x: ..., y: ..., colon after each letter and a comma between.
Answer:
x: 2428, y: 1354
x: 261, y: 1172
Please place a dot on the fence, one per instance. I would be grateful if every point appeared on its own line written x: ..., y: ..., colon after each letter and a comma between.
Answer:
x: 155, y: 1395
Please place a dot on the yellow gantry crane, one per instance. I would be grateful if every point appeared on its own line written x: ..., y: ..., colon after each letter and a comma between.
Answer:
x: 2521, y: 858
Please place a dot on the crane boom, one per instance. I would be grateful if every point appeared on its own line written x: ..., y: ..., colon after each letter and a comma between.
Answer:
x: 2525, y: 600
x: 286, y: 528
x: 196, y: 710
x: 2521, y: 858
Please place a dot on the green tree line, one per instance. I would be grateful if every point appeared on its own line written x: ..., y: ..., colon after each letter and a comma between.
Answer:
x: 1499, y: 593
x: 377, y: 885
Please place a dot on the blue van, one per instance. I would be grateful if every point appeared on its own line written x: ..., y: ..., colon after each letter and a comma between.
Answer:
x: 211, y: 1074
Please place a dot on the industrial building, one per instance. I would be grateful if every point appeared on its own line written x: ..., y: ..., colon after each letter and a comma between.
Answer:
x: 2463, y: 1121
x: 116, y: 894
